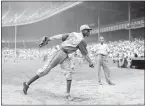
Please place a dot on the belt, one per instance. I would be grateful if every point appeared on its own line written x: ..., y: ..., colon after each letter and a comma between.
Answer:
x: 102, y: 54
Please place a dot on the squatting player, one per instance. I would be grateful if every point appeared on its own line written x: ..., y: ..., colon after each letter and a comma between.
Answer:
x: 71, y: 42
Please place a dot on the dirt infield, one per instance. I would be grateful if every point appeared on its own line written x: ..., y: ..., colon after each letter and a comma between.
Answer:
x: 129, y: 88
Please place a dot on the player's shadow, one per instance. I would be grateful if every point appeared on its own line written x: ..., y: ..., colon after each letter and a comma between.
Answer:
x: 45, y: 95
x: 48, y: 94
x: 79, y: 99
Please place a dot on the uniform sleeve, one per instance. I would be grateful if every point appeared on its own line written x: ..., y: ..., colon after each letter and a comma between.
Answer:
x: 82, y: 47
x: 56, y: 37
x: 64, y: 37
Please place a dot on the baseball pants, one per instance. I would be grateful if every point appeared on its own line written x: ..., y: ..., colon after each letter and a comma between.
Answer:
x: 59, y: 57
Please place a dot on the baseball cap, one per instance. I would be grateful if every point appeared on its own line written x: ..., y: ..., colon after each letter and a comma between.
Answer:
x: 85, y: 27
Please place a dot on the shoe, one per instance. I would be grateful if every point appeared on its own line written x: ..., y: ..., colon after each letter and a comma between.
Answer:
x: 110, y: 83
x: 67, y: 94
x: 25, y: 88
x: 68, y: 97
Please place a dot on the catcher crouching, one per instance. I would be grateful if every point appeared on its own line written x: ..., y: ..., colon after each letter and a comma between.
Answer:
x: 71, y: 43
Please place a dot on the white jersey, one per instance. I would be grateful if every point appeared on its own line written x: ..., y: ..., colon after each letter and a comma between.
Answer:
x: 73, y: 40
x: 102, y: 49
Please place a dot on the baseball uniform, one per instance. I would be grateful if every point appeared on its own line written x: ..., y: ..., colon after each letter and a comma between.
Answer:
x: 70, y: 44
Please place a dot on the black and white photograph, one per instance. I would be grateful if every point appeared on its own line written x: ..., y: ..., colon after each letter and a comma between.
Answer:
x: 72, y: 52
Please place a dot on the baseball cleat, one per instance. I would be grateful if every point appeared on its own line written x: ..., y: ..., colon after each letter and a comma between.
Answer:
x: 68, y: 97
x: 25, y: 88
x: 111, y: 83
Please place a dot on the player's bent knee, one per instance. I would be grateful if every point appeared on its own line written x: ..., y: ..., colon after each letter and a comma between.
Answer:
x: 42, y: 73
x: 68, y: 76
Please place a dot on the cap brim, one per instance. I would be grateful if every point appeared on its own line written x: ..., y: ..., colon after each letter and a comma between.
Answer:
x: 88, y: 29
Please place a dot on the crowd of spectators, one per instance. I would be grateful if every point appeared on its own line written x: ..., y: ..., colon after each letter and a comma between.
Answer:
x: 123, y: 52
x: 118, y: 50
x: 128, y: 48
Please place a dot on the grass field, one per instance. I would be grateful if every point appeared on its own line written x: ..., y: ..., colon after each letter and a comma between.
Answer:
x: 50, y: 89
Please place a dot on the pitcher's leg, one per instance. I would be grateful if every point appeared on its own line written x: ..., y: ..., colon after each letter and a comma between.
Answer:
x: 56, y: 59
x: 68, y: 68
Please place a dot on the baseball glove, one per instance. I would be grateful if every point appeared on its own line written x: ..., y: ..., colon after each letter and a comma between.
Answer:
x: 44, y: 41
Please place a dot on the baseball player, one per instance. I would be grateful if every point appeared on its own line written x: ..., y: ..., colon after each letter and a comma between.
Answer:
x: 102, y: 51
x: 71, y: 43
